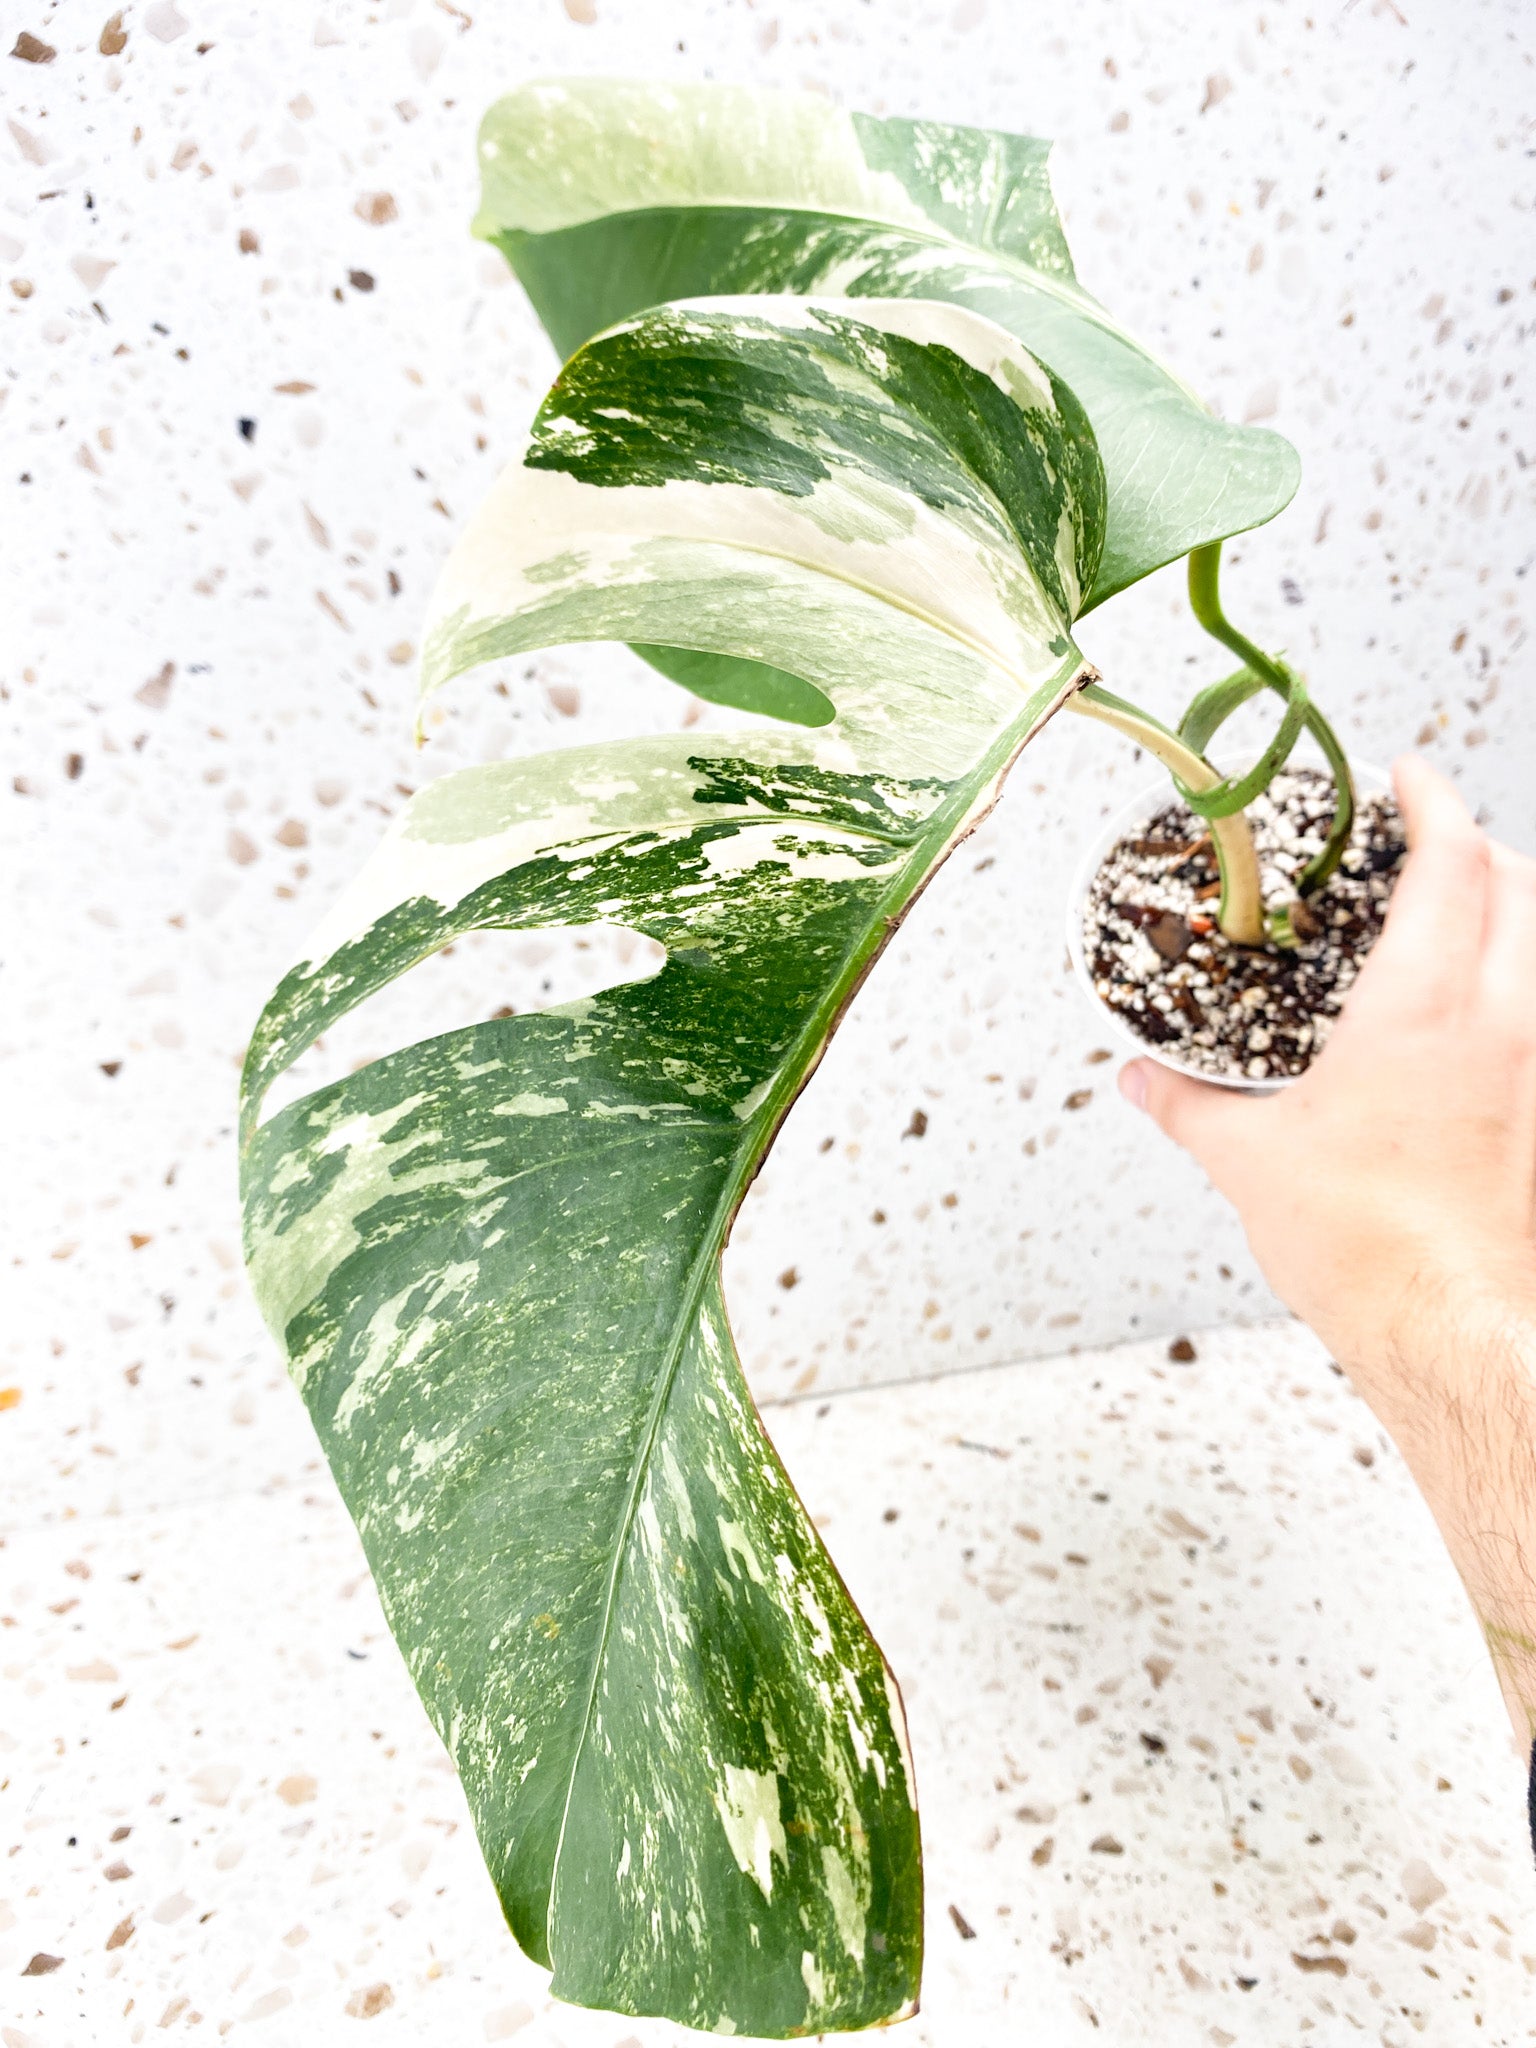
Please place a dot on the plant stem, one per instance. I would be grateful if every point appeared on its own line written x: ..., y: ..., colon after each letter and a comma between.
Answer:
x: 1205, y: 603
x: 1212, y: 706
x: 1241, y: 911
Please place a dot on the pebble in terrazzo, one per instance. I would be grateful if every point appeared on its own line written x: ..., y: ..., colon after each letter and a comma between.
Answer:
x: 1162, y: 965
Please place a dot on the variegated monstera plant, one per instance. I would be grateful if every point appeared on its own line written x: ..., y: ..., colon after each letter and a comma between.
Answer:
x: 867, y: 457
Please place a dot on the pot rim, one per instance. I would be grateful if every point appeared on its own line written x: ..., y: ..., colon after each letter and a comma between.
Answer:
x: 1369, y: 781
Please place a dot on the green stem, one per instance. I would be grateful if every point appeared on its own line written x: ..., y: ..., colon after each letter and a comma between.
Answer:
x: 1241, y: 911
x: 1262, y: 671
x: 1205, y: 603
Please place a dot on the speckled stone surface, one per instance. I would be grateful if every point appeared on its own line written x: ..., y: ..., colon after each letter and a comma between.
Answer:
x: 1207, y: 1745
x: 255, y: 373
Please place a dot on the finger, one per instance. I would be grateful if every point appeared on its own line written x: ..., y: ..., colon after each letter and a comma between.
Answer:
x: 1509, y: 939
x: 1430, y: 802
x: 1426, y: 958
x: 1214, y: 1125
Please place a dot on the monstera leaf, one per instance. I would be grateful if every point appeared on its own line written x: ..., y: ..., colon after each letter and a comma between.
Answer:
x: 494, y: 1258
x: 608, y: 196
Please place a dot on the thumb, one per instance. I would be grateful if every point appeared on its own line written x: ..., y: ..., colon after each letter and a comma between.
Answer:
x: 1205, y: 1120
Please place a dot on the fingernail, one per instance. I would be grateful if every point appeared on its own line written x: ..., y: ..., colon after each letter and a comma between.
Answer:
x: 1133, y: 1084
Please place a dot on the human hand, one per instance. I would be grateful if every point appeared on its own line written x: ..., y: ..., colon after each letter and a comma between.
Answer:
x: 1390, y: 1197
x: 1390, y: 1194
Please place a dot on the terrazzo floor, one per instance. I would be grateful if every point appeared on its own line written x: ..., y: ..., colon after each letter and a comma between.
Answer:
x: 1207, y: 1745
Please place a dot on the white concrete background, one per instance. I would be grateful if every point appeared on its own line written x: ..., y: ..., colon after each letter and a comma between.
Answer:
x: 1323, y: 218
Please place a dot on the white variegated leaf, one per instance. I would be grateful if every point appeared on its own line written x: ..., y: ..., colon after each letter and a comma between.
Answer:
x: 493, y: 1258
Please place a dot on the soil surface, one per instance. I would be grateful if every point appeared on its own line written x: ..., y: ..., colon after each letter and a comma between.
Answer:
x: 1156, y: 958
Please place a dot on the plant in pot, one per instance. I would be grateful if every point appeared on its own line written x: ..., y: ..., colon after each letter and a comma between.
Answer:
x: 840, y: 440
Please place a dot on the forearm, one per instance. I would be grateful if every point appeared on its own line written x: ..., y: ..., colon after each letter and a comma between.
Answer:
x: 1455, y: 1387
x: 1390, y: 1197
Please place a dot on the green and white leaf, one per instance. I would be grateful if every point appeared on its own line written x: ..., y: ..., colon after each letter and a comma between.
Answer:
x: 612, y: 195
x: 493, y: 1258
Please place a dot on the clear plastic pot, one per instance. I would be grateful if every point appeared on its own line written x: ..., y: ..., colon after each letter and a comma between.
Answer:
x: 1369, y: 781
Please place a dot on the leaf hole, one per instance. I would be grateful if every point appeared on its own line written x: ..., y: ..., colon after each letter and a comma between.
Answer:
x: 477, y: 977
